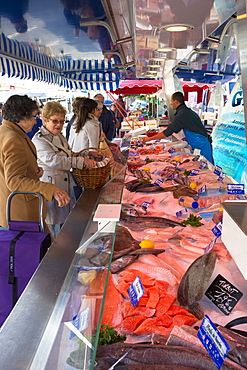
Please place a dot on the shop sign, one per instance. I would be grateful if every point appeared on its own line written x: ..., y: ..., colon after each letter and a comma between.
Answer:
x: 213, y: 341
x: 229, y: 137
x: 223, y: 294
x: 135, y: 291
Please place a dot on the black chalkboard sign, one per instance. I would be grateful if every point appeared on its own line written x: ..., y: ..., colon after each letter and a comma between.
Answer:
x: 223, y: 294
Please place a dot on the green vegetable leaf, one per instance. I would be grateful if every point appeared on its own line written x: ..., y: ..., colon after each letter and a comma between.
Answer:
x: 187, y: 172
x: 145, y: 181
x: 108, y: 335
x: 193, y: 221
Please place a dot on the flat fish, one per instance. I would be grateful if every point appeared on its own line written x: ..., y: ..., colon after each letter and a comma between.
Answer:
x: 124, y: 240
x: 194, y: 283
x: 140, y: 223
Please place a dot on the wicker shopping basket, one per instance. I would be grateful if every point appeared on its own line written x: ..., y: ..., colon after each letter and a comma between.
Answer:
x: 92, y: 178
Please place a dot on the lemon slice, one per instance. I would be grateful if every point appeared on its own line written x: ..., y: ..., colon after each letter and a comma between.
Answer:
x: 146, y: 243
x: 177, y: 159
x: 193, y: 185
x: 146, y: 168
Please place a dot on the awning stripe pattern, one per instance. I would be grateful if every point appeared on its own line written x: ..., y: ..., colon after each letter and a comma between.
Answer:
x: 19, y: 60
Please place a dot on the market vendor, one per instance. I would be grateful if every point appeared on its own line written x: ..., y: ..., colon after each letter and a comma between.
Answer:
x: 187, y: 120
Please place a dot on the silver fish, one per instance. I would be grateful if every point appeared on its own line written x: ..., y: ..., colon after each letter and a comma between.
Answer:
x: 194, y: 283
x: 159, y: 355
x: 140, y: 223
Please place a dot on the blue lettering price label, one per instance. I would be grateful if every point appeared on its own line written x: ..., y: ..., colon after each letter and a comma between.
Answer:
x: 183, y: 211
x: 210, y: 246
x: 221, y: 177
x: 235, y: 188
x: 202, y: 189
x: 80, y: 321
x: 194, y: 172
x: 158, y: 182
x: 145, y: 205
x: 213, y: 341
x: 217, y: 229
x: 171, y: 150
x: 136, y: 291
x: 177, y: 165
x: 203, y: 165
x: 217, y: 170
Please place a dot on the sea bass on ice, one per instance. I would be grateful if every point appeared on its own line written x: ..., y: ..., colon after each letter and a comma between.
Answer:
x: 145, y: 222
x: 194, y: 283
x: 160, y: 355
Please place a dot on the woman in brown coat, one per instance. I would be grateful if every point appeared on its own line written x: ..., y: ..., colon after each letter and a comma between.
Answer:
x: 19, y: 170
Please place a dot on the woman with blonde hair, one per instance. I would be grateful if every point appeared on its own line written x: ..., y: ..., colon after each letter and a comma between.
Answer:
x: 57, y: 159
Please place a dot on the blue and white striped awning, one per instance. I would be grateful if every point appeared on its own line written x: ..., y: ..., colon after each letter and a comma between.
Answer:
x: 19, y: 60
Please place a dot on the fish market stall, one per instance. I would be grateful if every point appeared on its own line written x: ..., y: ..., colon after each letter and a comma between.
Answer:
x: 133, y: 293
x: 173, y: 278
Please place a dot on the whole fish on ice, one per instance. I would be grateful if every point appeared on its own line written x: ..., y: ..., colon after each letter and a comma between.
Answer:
x: 141, y: 223
x: 194, y: 283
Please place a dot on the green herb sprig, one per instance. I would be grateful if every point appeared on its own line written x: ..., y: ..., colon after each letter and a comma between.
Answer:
x: 109, y: 335
x: 144, y: 181
x: 193, y: 221
x: 187, y: 172
x: 148, y: 160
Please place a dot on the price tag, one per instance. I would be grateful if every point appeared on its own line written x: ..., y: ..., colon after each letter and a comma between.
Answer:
x: 235, y: 188
x: 136, y: 291
x: 213, y: 341
x: 145, y: 205
x: 217, y: 170
x: 217, y: 229
x: 158, y: 182
x: 194, y: 172
x: 80, y: 321
x: 183, y: 211
x: 223, y: 294
x: 221, y: 177
x: 210, y: 246
x: 171, y: 150
x: 197, y: 152
x: 203, y: 165
x: 202, y: 189
x: 177, y: 165
x: 174, y: 175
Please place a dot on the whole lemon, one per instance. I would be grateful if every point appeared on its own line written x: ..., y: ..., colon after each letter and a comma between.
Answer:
x: 146, y: 243
x: 193, y: 185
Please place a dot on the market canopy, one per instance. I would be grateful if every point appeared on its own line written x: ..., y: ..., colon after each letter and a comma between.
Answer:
x: 19, y: 60
x: 134, y: 87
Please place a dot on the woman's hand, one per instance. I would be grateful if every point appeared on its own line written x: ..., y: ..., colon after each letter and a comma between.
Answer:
x: 40, y: 172
x: 89, y: 163
x: 61, y: 197
x: 95, y: 154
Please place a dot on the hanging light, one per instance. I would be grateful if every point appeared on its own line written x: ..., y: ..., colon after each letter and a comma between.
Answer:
x: 177, y: 27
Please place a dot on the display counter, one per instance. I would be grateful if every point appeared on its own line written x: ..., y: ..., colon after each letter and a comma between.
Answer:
x: 34, y: 335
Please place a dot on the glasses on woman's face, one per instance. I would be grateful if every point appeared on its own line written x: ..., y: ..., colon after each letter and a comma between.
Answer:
x: 55, y: 121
